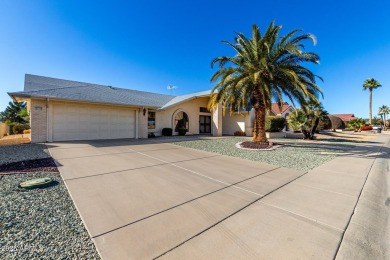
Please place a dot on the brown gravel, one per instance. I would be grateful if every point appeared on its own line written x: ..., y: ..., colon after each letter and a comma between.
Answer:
x: 257, y: 145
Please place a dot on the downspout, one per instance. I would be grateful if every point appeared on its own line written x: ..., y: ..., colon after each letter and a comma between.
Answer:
x: 136, y: 123
x: 47, y: 120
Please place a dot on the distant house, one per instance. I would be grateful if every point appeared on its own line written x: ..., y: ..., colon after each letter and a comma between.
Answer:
x: 345, y: 117
x: 283, y: 111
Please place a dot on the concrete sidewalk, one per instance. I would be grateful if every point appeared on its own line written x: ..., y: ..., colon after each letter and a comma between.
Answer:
x: 143, y: 201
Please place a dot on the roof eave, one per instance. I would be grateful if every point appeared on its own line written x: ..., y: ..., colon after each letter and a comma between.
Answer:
x: 181, y: 102
x: 14, y: 96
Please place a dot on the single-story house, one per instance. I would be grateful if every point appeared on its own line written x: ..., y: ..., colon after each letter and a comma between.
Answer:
x: 64, y: 110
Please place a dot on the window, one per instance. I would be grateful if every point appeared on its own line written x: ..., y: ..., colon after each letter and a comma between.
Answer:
x: 181, y: 121
x: 151, y: 120
x: 204, y: 110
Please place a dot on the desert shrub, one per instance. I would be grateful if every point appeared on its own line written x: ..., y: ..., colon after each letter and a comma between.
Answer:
x: 182, y: 131
x: 166, y: 132
x: 239, y: 133
x: 27, y: 131
x: 336, y: 122
x: 274, y: 123
x: 366, y: 127
x: 19, y: 128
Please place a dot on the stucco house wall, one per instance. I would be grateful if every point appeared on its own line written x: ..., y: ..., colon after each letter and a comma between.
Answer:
x: 4, y: 129
x: 165, y: 118
x: 233, y: 123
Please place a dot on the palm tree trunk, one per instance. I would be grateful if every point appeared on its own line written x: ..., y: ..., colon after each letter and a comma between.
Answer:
x: 314, y: 129
x: 259, y: 125
x: 370, y: 106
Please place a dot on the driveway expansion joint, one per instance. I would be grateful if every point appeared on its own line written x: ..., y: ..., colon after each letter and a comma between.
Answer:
x: 132, y: 169
x: 186, y: 202
x: 230, y: 215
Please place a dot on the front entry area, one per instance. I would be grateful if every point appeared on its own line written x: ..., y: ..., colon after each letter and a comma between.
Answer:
x: 204, y: 124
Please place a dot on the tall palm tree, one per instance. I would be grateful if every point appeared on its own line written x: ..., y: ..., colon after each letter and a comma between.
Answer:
x: 371, y: 84
x: 264, y: 68
x: 384, y: 111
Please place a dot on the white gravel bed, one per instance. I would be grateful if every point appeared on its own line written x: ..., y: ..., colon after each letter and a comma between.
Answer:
x: 294, y: 154
x: 40, y: 223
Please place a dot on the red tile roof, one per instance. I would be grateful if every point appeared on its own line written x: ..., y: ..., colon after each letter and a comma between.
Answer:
x: 275, y: 108
x: 345, y: 117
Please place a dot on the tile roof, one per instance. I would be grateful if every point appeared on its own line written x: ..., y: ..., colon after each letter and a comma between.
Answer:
x: 44, y: 87
x: 345, y: 117
x: 275, y: 108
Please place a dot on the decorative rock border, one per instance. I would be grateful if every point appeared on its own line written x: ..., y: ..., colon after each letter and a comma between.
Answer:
x: 238, y: 145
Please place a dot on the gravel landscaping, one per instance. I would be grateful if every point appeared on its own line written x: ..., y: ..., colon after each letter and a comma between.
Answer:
x: 38, y: 223
x: 22, y: 152
x: 294, y: 154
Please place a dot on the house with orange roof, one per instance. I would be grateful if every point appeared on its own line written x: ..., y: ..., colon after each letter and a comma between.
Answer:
x: 345, y: 117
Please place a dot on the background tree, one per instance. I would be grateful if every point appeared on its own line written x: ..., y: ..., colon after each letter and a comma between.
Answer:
x: 371, y: 84
x: 376, y: 121
x: 264, y: 68
x: 15, y: 113
x: 384, y: 111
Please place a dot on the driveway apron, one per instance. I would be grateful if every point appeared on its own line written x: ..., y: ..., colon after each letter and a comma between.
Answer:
x: 142, y: 200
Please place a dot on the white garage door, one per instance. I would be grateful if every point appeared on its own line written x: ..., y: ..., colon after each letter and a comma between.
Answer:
x: 88, y: 122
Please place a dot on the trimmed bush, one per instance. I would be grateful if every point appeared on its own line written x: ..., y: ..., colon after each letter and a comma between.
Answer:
x: 182, y: 131
x: 239, y: 133
x: 167, y: 132
x: 336, y: 122
x: 19, y: 128
x: 274, y: 123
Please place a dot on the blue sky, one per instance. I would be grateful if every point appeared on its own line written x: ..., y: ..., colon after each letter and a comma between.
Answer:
x: 148, y: 45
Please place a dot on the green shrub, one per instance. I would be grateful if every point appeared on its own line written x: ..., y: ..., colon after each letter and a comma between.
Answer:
x: 274, y: 123
x: 11, y: 128
x: 239, y: 133
x: 167, y: 132
x: 182, y: 131
x: 19, y: 128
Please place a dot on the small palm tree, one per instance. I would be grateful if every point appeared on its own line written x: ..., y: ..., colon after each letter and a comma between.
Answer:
x: 384, y: 111
x: 371, y: 84
x: 307, y: 119
x: 264, y: 68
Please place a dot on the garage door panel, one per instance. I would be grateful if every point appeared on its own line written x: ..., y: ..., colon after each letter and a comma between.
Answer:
x: 87, y: 122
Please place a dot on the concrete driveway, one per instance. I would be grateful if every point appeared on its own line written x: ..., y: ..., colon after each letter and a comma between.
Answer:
x: 145, y: 200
